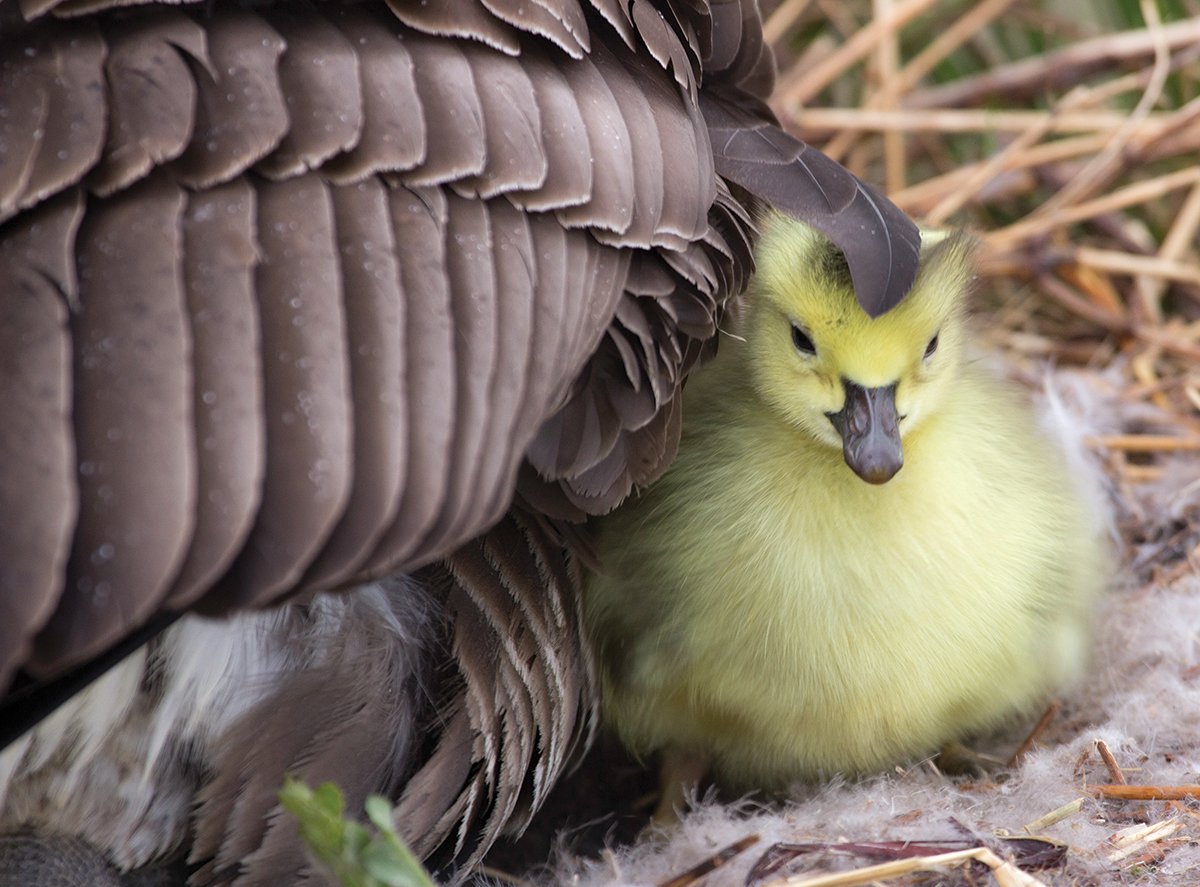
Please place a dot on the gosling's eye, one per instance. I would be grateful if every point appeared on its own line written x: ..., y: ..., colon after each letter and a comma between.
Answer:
x: 931, y: 347
x: 802, y: 342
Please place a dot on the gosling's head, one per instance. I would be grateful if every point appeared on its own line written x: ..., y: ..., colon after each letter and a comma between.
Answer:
x: 850, y: 381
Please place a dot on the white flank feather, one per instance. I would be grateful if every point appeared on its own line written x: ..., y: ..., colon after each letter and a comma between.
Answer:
x: 119, y: 765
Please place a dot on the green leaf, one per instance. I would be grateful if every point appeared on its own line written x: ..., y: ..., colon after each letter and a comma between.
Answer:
x: 379, y: 811
x: 348, y: 851
x: 382, y: 862
x: 319, y: 814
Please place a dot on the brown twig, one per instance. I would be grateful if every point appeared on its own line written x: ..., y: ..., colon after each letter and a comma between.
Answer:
x: 1114, y: 770
x: 1181, y: 237
x: 948, y: 120
x: 1141, y: 474
x: 1094, y: 172
x: 853, y: 50
x: 1080, y: 306
x: 1039, y: 728
x: 1054, y: 70
x: 1005, y: 872
x: 1145, y: 443
x: 1110, y: 148
x: 975, y: 18
x: 718, y: 859
x: 1128, y: 263
x: 925, y: 193
x: 887, y: 65
x: 956, y: 199
x: 1146, y: 792
x: 782, y: 19
x: 1161, y: 336
x: 1131, y: 195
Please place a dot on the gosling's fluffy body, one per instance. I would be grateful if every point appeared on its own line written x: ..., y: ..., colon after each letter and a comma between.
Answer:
x: 763, y: 606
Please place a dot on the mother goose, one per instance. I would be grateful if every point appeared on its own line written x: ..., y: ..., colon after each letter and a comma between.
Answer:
x: 300, y: 295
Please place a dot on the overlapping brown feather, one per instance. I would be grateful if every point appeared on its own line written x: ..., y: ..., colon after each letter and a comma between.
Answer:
x: 256, y: 102
x: 401, y: 255
x: 524, y: 696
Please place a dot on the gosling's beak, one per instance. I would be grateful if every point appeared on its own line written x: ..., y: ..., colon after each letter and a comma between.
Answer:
x: 870, y: 432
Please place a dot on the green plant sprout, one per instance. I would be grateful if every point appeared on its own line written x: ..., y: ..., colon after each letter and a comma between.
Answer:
x: 350, y: 852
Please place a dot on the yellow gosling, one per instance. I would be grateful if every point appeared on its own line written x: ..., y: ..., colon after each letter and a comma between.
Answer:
x: 864, y: 550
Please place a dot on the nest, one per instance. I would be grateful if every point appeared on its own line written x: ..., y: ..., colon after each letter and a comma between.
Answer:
x: 1066, y: 137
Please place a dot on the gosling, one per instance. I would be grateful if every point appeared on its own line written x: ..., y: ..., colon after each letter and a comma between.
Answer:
x: 864, y: 552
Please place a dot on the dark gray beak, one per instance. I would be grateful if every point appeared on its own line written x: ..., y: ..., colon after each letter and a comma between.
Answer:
x: 870, y: 431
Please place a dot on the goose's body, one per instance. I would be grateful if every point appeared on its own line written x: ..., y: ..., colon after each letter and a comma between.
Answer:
x: 295, y: 295
x: 766, y: 607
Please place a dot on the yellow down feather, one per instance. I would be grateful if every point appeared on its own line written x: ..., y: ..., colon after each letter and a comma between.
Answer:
x: 766, y: 608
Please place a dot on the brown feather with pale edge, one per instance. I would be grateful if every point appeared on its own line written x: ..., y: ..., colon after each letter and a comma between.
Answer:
x: 375, y: 320
x: 133, y: 526
x: 152, y: 97
x: 36, y: 441
x: 392, y: 264
x: 220, y: 253
x: 72, y: 136
x: 306, y: 397
x: 473, y: 311
x: 318, y: 75
x: 563, y: 24
x: 609, y: 154
x: 453, y: 117
x: 24, y: 81
x: 241, y: 114
x: 513, y: 266
x: 419, y: 220
x: 512, y: 127
x: 517, y: 592
x: 452, y: 18
x: 393, y: 136
x: 568, y: 179
x: 649, y: 180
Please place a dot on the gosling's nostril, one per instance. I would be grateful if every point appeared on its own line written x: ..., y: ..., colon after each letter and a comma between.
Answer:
x: 870, y: 434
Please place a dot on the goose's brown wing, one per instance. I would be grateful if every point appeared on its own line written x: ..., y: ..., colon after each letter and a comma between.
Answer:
x: 290, y: 293
x: 301, y: 294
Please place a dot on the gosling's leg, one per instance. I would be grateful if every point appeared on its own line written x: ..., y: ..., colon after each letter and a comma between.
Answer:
x: 956, y: 759
x: 679, y: 774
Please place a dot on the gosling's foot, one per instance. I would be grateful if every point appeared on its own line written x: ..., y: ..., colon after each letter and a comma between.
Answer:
x: 956, y: 759
x: 679, y: 775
